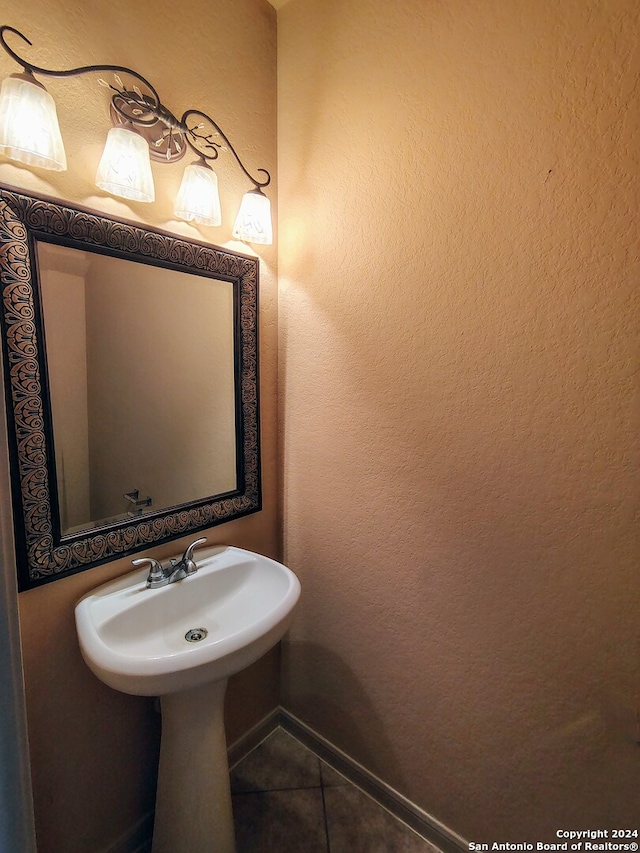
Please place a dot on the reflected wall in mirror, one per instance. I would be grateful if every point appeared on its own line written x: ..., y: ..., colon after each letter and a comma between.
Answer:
x: 131, y: 383
x: 141, y: 371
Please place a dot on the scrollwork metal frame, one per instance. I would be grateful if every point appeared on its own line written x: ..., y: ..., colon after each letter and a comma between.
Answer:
x: 44, y: 553
x: 145, y: 111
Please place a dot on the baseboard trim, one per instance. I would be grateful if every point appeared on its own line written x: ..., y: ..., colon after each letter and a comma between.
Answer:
x: 424, y: 824
x: 138, y: 838
x: 240, y: 748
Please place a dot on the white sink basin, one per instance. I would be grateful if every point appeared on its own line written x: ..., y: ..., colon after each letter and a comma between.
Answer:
x: 133, y: 638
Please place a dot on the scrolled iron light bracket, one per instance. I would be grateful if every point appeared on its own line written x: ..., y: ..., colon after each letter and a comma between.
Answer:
x: 139, y: 104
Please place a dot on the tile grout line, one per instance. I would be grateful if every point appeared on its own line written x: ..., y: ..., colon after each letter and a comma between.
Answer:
x: 324, y: 807
x: 419, y: 822
x: 314, y: 746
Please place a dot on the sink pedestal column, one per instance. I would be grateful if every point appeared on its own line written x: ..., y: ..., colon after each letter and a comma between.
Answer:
x: 193, y: 799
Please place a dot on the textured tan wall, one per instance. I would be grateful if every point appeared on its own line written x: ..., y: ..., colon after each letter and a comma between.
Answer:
x: 94, y: 750
x: 62, y: 294
x: 459, y: 367
x: 132, y: 311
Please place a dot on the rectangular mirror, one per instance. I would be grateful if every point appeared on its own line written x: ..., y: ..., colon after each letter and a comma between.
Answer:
x: 141, y: 371
x: 132, y: 385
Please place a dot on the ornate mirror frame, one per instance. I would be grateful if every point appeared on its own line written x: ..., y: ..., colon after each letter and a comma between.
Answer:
x: 44, y: 553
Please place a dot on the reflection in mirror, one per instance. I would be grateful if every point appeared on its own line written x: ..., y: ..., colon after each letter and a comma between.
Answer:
x: 141, y: 378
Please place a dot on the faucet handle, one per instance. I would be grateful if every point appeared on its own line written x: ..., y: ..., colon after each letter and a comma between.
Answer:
x: 156, y: 576
x: 187, y: 558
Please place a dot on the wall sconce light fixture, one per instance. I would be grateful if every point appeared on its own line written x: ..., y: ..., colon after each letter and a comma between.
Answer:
x: 143, y: 129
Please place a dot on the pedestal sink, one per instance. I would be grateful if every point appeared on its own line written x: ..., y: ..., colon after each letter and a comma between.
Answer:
x: 181, y: 642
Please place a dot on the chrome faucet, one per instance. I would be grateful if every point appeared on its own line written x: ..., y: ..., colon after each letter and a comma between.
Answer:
x: 160, y: 575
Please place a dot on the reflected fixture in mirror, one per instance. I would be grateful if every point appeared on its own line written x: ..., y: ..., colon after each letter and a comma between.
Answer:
x: 143, y: 129
x: 131, y: 379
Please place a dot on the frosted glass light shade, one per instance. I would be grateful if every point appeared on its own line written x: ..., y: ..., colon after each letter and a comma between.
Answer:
x: 125, y: 167
x: 198, y: 199
x: 253, y: 223
x: 29, y: 130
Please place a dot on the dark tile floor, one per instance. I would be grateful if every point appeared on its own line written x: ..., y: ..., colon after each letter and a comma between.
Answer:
x: 286, y: 800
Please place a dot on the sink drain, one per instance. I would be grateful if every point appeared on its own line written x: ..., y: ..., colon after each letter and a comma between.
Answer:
x: 195, y: 635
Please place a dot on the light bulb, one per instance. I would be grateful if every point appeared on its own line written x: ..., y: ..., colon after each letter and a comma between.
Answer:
x: 29, y: 130
x: 253, y: 223
x: 125, y: 167
x: 198, y: 199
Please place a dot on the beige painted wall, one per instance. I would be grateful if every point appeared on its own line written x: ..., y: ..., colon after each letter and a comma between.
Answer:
x: 62, y: 292
x: 459, y: 365
x: 94, y: 750
x: 158, y: 336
